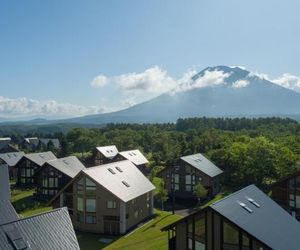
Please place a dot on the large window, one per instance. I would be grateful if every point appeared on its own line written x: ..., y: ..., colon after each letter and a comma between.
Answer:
x: 86, y: 201
x: 111, y: 204
x: 230, y: 237
x: 175, y: 181
x: 196, y: 233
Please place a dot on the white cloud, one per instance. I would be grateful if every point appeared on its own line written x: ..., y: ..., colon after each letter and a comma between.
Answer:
x: 99, y: 81
x: 24, y: 107
x: 240, y: 84
x: 209, y: 78
x: 286, y: 80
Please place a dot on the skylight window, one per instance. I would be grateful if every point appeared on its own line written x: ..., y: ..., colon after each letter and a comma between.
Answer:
x: 66, y: 162
x: 253, y: 202
x: 119, y: 169
x: 243, y: 205
x: 134, y: 153
x: 130, y: 154
x: 15, y: 238
x: 125, y: 183
x: 42, y: 156
x: 111, y: 170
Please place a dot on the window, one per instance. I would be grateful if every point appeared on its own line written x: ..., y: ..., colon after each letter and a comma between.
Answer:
x: 176, y: 187
x: 80, y: 185
x: 79, y: 204
x: 90, y: 187
x: 90, y: 219
x: 188, y: 179
x: 246, y: 241
x: 230, y: 236
x: 53, y: 182
x: 90, y: 205
x: 176, y: 178
x: 298, y: 201
x: 136, y: 214
x: 292, y: 200
x: 45, y: 182
x: 111, y: 204
x: 298, y: 183
x: 80, y: 217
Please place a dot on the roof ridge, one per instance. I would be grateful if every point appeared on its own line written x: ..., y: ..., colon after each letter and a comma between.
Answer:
x: 232, y: 194
x: 107, y: 164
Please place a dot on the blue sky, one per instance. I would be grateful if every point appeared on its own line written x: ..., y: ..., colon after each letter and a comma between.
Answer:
x: 51, y: 51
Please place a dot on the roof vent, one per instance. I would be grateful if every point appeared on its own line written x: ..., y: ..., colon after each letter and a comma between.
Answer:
x: 66, y: 162
x: 15, y: 238
x: 253, y: 202
x: 111, y: 170
x: 125, y: 183
x: 243, y: 205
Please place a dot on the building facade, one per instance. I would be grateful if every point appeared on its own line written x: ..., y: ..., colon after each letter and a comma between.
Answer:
x: 28, y: 165
x: 104, y: 155
x: 54, y: 175
x: 181, y: 179
x: 107, y: 199
x: 286, y: 193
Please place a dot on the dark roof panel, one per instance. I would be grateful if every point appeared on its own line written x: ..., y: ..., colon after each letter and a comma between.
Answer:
x: 7, y: 212
x: 256, y: 213
x: 47, y: 231
x: 4, y: 182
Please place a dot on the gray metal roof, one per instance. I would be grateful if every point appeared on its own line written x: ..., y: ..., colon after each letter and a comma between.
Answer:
x: 55, y: 141
x: 269, y: 223
x: 7, y: 212
x: 135, y: 156
x: 203, y: 164
x: 70, y: 166
x: 4, y: 183
x: 32, y: 140
x: 4, y: 141
x: 108, y: 151
x: 12, y: 158
x: 41, y: 158
x: 48, y: 231
x: 138, y: 184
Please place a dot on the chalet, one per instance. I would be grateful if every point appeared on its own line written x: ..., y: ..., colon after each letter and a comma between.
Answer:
x: 30, y: 143
x: 182, y: 178
x: 55, y: 174
x: 103, y: 155
x: 11, y: 159
x: 247, y: 219
x: 28, y: 165
x: 45, y: 142
x: 6, y: 145
x: 109, y: 199
x: 286, y: 192
x: 136, y: 157
x: 51, y: 230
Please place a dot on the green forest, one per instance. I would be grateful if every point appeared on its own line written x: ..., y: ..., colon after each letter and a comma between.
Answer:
x: 258, y: 151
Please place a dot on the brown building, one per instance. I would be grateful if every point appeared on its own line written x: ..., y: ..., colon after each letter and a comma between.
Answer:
x: 11, y: 159
x: 286, y: 193
x: 55, y: 174
x: 109, y: 199
x: 182, y: 178
x: 136, y: 157
x: 247, y: 219
x: 104, y: 155
x: 28, y: 165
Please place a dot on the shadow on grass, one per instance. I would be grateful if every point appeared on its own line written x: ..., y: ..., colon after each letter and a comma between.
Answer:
x: 156, y: 222
x: 91, y: 241
x: 26, y: 203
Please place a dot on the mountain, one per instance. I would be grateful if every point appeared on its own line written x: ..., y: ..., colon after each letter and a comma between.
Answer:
x: 214, y: 92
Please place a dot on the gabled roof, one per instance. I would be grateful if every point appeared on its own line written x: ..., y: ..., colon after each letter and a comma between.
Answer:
x: 55, y: 141
x: 135, y: 156
x: 4, y: 141
x: 12, y: 158
x: 51, y: 230
x: 108, y: 151
x: 7, y: 212
x: 40, y: 158
x: 70, y: 166
x: 4, y: 182
x: 254, y: 212
x: 201, y: 163
x: 32, y: 140
x: 122, y: 178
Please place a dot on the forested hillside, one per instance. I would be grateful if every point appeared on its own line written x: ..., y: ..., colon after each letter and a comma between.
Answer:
x: 256, y: 151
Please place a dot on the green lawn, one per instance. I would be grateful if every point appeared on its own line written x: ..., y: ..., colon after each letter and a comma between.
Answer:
x: 25, y: 204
